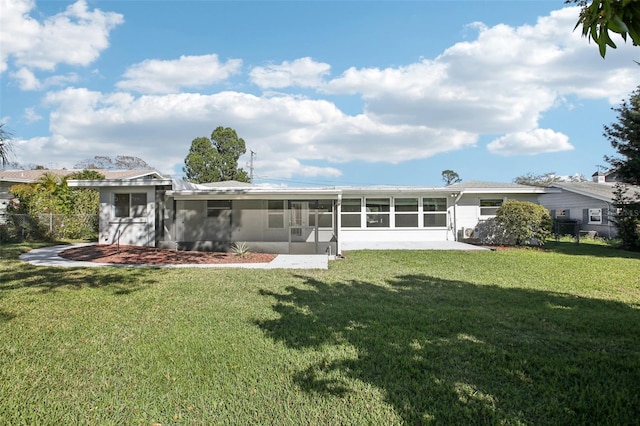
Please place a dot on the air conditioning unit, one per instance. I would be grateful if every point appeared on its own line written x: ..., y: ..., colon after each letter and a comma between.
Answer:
x: 467, y: 232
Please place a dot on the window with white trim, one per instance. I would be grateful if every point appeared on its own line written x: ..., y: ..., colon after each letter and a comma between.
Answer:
x: 406, y: 212
x: 489, y: 207
x: 351, y: 213
x: 562, y: 214
x: 595, y: 216
x: 216, y: 208
x: 130, y: 204
x: 275, y: 214
x: 378, y: 212
x: 434, y: 212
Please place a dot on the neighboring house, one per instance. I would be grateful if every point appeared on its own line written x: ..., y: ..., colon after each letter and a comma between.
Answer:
x: 212, y: 216
x: 9, y: 178
x: 588, y: 203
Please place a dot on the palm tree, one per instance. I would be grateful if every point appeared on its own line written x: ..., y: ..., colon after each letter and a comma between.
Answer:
x: 5, y: 145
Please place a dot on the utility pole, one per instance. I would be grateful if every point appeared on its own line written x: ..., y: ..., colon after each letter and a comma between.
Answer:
x: 253, y: 154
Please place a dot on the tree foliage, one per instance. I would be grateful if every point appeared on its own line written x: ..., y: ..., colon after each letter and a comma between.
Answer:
x: 120, y: 162
x: 524, y: 221
x: 6, y: 148
x: 624, y: 136
x: 450, y: 177
x: 546, y: 179
x: 52, y: 195
x: 627, y: 218
x: 216, y: 159
x: 602, y: 17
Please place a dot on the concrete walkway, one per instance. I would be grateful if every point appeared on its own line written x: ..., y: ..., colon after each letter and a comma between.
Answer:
x: 50, y: 256
x: 410, y: 245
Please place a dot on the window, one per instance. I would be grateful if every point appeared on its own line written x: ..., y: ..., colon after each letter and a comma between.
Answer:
x: 216, y: 208
x: 378, y: 212
x: 275, y: 213
x: 562, y: 214
x: 595, y: 216
x: 325, y: 213
x: 130, y: 205
x: 435, y: 212
x: 406, y: 212
x: 489, y: 207
x: 351, y: 212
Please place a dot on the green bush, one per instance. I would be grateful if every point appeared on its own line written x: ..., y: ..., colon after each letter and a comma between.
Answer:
x: 525, y: 222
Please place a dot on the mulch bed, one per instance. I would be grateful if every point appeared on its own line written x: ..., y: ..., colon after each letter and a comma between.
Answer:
x: 134, y: 255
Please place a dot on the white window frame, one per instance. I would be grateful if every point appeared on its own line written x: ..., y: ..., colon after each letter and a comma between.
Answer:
x: 136, y: 210
x: 492, y: 207
x: 406, y: 213
x: 351, y: 213
x: 434, y: 212
x: 375, y: 217
x: 595, y: 216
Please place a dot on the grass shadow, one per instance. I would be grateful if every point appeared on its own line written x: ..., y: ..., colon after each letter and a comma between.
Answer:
x: 453, y: 352
x: 589, y: 249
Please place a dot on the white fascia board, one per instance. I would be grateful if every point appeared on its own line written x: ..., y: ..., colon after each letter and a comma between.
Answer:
x: 254, y: 193
x: 117, y: 183
x: 392, y: 190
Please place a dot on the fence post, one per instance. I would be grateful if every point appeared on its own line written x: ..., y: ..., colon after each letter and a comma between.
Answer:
x: 51, y: 225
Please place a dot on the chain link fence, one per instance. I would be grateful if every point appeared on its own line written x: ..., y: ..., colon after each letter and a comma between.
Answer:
x: 24, y: 227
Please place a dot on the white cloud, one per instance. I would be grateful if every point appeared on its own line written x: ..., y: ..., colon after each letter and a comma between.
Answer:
x: 155, y: 76
x: 31, y: 116
x: 303, y: 72
x: 537, y: 141
x: 500, y: 83
x: 26, y: 79
x: 75, y: 36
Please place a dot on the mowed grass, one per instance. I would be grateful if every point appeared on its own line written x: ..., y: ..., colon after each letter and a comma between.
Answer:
x: 388, y: 337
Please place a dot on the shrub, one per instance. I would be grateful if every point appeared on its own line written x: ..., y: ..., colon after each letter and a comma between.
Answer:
x: 240, y: 249
x: 525, y: 222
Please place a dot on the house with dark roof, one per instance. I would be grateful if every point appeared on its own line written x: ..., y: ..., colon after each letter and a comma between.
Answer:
x: 183, y: 215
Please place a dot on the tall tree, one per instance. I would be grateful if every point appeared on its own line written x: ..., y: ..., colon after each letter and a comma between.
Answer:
x: 450, y: 177
x: 599, y: 18
x: 5, y: 145
x: 624, y: 136
x: 216, y: 159
x: 121, y: 162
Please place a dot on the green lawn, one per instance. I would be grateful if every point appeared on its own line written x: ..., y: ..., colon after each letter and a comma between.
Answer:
x: 405, y: 337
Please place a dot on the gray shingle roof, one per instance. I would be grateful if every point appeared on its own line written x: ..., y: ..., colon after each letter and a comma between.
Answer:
x: 600, y: 191
x: 27, y: 176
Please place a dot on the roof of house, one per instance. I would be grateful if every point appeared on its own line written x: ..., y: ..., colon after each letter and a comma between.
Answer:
x: 29, y: 176
x: 481, y: 186
x: 599, y: 191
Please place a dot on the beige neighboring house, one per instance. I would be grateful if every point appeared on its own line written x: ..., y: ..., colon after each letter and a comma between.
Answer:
x: 183, y: 215
x: 588, y: 203
x: 8, y: 178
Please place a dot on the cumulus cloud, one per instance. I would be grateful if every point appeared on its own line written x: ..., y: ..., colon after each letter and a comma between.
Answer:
x: 537, y: 141
x: 76, y: 36
x: 303, y: 72
x: 500, y: 82
x: 26, y: 79
x: 155, y: 76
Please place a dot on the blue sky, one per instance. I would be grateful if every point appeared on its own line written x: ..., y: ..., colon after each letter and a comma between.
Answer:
x: 325, y: 92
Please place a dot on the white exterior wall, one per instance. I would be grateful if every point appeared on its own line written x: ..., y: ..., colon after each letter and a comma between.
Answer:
x: 138, y: 231
x: 467, y: 215
x: 576, y: 204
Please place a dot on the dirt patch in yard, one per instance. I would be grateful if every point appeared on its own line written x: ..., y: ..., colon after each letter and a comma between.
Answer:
x: 134, y: 255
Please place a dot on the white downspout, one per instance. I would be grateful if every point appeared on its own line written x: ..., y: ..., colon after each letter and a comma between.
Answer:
x: 338, y: 224
x: 455, y: 217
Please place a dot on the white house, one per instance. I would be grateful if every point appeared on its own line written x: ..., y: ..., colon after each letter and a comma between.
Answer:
x: 161, y: 213
x: 590, y: 204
